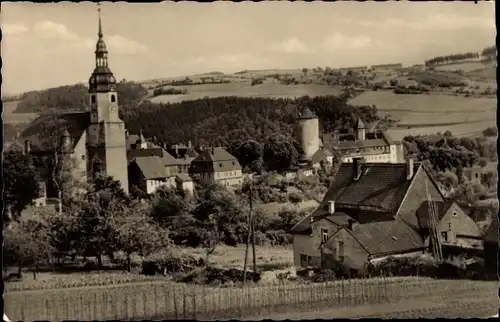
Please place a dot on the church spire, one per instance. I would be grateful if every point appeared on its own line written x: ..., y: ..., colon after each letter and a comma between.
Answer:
x: 100, y: 34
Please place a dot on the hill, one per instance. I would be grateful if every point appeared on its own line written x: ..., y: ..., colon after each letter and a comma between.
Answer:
x: 427, y: 114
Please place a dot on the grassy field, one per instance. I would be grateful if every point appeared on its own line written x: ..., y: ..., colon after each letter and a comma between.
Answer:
x: 15, y: 118
x: 488, y: 73
x: 467, y: 66
x: 244, y: 89
x: 426, y: 114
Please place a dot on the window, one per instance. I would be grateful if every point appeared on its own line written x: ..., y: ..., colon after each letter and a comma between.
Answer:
x: 92, y: 99
x: 341, y: 251
x: 113, y: 98
x: 454, y: 214
x: 220, y: 165
x: 324, y: 235
x: 444, y: 236
x: 303, y: 260
x: 83, y: 157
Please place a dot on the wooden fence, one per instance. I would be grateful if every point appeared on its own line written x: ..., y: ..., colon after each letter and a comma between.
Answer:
x: 175, y: 301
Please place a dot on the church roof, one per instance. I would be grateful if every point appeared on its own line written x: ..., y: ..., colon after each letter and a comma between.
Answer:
x: 360, y: 124
x: 40, y: 130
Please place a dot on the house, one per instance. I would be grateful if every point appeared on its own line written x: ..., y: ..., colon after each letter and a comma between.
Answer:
x: 185, y: 183
x: 479, y: 175
x: 374, y: 203
x: 455, y: 228
x: 152, y: 167
x: 184, y: 155
x: 374, y: 147
x: 216, y: 164
x: 491, y: 246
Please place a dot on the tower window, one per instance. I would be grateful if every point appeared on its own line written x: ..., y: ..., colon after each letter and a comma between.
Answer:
x: 113, y: 98
x: 93, y: 99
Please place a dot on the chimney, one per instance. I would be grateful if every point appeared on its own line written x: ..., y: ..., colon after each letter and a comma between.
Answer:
x: 176, y: 150
x: 356, y: 164
x: 409, y: 169
x: 27, y: 146
x: 189, y: 144
x: 331, y: 207
x: 351, y: 223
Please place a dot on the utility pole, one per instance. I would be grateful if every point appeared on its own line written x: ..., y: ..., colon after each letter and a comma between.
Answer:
x: 249, y: 223
x: 252, y: 221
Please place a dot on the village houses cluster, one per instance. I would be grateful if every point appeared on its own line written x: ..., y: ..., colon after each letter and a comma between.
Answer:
x: 378, y: 204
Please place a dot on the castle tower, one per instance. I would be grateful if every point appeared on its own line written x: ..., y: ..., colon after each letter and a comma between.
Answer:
x: 360, y: 130
x: 106, y: 144
x: 308, y: 133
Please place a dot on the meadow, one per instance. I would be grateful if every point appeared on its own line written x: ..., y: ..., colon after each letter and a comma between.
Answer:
x: 466, y: 66
x: 426, y: 114
x: 15, y: 118
x: 244, y: 89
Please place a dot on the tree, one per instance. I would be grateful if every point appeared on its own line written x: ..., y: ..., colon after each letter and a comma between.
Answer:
x: 20, y: 181
x: 279, y: 153
x: 305, y: 70
x: 246, y: 152
x: 27, y: 245
x: 137, y: 233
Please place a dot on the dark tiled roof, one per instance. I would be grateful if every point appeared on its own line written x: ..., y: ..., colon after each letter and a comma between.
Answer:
x: 166, y: 158
x: 381, y: 186
x: 491, y: 234
x: 423, y: 211
x: 183, y: 177
x: 216, y: 159
x: 306, y: 114
x: 321, y: 154
x: 387, y: 237
x: 304, y: 226
x: 182, y: 152
x: 151, y: 167
x: 75, y: 122
x: 347, y: 142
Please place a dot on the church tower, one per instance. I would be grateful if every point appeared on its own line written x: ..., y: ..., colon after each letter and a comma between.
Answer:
x: 106, y: 144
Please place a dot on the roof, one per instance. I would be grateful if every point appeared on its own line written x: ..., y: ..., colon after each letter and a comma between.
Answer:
x: 183, y: 177
x: 423, y: 211
x: 347, y: 142
x: 491, y: 234
x: 381, y: 186
x: 387, y: 237
x: 75, y: 122
x: 151, y: 167
x: 360, y: 124
x: 218, y: 158
x: 166, y: 158
x: 182, y: 152
x: 304, y: 226
x: 306, y: 114
x: 321, y: 154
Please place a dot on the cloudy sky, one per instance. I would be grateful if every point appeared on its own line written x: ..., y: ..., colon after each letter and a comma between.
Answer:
x: 52, y: 44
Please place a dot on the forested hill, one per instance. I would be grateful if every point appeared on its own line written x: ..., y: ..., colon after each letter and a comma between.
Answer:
x: 74, y: 97
x: 222, y: 120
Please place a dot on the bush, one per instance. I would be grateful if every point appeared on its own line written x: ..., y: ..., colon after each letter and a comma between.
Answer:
x: 294, y: 197
x: 169, y: 263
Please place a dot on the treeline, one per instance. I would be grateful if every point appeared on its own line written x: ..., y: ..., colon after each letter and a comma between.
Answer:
x: 169, y: 91
x: 438, y: 60
x: 222, y: 120
x: 74, y: 97
x: 489, y: 53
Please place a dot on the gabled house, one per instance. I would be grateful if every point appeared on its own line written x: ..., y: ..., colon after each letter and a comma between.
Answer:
x: 216, y: 164
x: 369, y: 211
x: 147, y: 173
x: 454, y: 226
x: 491, y: 246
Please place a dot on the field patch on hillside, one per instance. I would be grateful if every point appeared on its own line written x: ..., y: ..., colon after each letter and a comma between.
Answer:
x: 465, y: 66
x: 15, y: 118
x: 489, y: 73
x: 425, y: 114
x: 268, y: 89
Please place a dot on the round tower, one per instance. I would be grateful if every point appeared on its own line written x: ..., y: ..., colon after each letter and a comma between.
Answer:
x: 308, y: 133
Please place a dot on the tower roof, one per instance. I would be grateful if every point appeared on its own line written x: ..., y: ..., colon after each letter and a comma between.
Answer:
x: 360, y: 124
x: 102, y: 79
x: 306, y: 114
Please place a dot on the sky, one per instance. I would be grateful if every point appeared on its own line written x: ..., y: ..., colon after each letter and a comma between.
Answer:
x: 52, y: 44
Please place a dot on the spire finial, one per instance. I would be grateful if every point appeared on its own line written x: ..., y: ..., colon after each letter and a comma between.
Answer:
x: 100, y: 24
